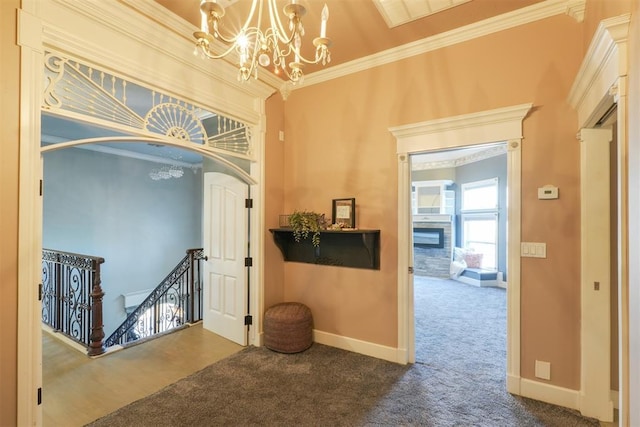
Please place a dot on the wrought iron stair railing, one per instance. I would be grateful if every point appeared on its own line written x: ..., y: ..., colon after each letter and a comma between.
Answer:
x: 72, y: 297
x: 175, y: 302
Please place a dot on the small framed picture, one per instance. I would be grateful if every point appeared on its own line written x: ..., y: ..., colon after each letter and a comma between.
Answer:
x: 344, y: 212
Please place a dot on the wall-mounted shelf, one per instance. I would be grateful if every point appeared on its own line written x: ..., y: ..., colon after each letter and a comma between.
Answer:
x: 345, y: 248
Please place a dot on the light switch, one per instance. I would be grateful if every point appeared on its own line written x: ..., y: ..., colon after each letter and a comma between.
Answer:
x: 533, y: 249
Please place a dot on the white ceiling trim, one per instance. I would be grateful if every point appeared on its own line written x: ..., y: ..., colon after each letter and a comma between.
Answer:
x: 398, y: 12
x: 535, y: 12
x: 465, y: 160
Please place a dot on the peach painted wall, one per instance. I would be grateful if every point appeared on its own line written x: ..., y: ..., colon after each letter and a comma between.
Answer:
x: 274, y: 200
x: 338, y: 145
x: 9, y: 106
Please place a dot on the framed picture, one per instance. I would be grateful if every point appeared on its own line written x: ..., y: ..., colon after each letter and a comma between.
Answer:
x: 344, y: 212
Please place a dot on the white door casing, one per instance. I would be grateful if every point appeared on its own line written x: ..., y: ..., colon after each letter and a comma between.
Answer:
x: 39, y: 30
x: 225, y: 231
x: 504, y: 124
x: 601, y: 83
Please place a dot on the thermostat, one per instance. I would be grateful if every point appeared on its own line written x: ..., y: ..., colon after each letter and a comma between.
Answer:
x: 548, y: 192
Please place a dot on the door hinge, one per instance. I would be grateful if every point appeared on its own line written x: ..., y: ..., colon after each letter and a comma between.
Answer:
x: 248, y: 203
x: 248, y: 262
x: 39, y: 291
x: 41, y: 187
x: 39, y: 395
x: 410, y: 270
x: 248, y: 320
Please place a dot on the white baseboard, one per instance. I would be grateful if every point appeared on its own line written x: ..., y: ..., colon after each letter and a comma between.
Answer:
x: 513, y: 385
x: 259, y: 339
x: 363, y: 347
x: 550, y: 393
x: 556, y: 395
x: 351, y: 344
x: 615, y: 396
x: 62, y: 338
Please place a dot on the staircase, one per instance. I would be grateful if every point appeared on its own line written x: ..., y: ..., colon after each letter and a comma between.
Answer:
x: 71, y: 297
x: 175, y: 302
x: 72, y: 300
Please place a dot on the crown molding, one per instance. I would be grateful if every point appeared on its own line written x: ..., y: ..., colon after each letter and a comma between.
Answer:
x: 604, y: 62
x: 533, y: 13
x: 118, y: 16
x: 465, y: 160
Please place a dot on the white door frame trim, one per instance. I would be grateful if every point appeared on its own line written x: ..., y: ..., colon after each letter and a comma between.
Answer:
x: 208, y: 85
x: 595, y: 274
x: 600, y: 83
x: 503, y: 124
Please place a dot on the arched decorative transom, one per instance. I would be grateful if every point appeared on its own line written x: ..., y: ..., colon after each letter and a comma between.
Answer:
x: 80, y: 92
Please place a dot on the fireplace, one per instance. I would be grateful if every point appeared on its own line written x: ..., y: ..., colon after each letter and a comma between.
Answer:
x: 428, y: 237
x: 432, y: 245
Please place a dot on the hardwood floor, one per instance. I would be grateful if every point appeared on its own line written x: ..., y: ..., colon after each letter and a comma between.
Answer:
x: 78, y: 389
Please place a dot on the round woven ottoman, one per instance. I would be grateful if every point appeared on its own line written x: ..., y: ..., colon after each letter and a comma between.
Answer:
x: 288, y: 327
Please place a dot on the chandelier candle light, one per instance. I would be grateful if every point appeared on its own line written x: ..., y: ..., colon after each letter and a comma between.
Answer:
x: 255, y: 46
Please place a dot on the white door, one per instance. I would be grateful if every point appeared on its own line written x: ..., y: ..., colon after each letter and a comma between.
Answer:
x: 225, y: 245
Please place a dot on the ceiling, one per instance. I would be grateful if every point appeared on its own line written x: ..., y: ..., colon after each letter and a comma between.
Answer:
x: 359, y: 28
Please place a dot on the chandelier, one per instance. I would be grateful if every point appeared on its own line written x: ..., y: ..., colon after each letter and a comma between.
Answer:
x: 272, y: 46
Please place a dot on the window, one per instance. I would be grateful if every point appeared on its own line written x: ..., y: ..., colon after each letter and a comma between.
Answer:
x: 480, y: 195
x: 479, y: 220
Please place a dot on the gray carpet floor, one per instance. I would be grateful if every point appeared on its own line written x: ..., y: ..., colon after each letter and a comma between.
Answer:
x: 458, y: 379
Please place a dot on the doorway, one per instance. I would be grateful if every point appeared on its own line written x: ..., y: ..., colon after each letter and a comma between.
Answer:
x: 504, y: 124
x: 140, y: 59
x: 459, y: 197
x: 459, y: 214
x: 155, y: 122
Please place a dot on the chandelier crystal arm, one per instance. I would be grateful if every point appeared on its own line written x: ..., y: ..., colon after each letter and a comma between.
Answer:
x: 255, y: 46
x: 203, y: 43
x: 276, y: 23
x: 214, y: 13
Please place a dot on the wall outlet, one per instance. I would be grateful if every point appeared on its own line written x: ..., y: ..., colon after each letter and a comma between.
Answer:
x: 543, y: 370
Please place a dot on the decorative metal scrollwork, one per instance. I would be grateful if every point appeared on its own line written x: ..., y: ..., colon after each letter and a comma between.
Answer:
x: 232, y: 135
x: 168, y: 306
x: 67, y: 281
x: 82, y: 90
x: 175, y: 121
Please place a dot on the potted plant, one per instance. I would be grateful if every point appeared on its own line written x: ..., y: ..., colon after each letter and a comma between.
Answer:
x: 305, y: 222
